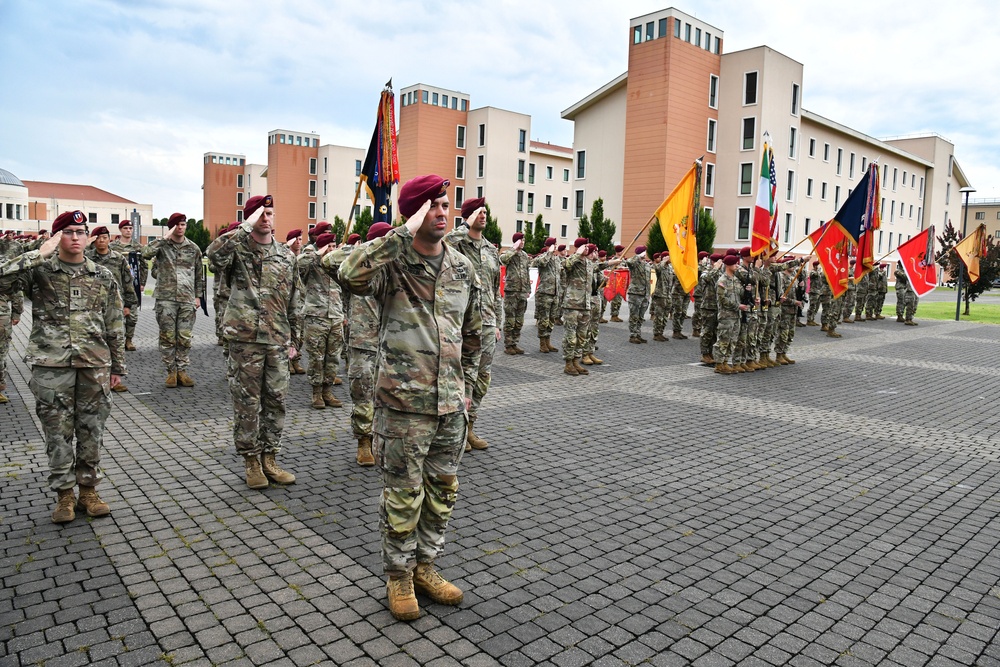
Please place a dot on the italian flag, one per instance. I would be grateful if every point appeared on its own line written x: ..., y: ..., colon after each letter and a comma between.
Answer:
x: 762, y: 238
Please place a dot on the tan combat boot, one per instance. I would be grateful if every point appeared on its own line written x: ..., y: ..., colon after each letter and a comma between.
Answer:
x: 91, y: 502
x: 579, y: 368
x: 274, y: 472
x: 722, y: 368
x: 329, y: 399
x: 171, y: 380
x: 184, y: 380
x: 615, y: 318
x: 824, y: 328
x: 679, y: 336
x: 63, y: 512
x: 781, y: 359
x: 660, y: 338
x: 296, y: 367
x: 517, y: 349
x: 429, y: 581
x: 585, y: 360
x: 789, y: 360
x: 3, y: 398
x: 594, y: 360
x: 474, y: 440
x: 317, y: 399
x: 707, y: 359
x: 509, y: 350
x: 570, y: 368
x: 833, y: 334
x: 255, y: 476
x: 129, y: 345
x: 811, y: 323
x: 120, y: 387
x: 365, y: 457
x: 541, y: 345
x: 548, y: 344
x: 402, y: 600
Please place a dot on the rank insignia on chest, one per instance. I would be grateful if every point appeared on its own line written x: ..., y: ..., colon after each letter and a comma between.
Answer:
x: 75, y: 292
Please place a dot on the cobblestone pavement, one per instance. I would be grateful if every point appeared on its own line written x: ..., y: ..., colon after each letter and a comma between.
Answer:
x: 839, y: 511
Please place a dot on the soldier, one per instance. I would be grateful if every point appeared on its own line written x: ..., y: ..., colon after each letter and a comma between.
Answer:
x: 789, y: 310
x: 428, y: 361
x: 661, y: 295
x: 179, y: 281
x: 834, y: 305
x: 220, y: 288
x: 11, y: 307
x: 679, y: 300
x: 815, y: 289
x: 323, y: 316
x: 861, y: 303
x: 561, y: 254
x: 906, y: 298
x: 101, y: 254
x: 708, y: 279
x: 728, y: 292
x: 616, y: 301
x: 881, y: 289
x: 579, y: 299
x: 850, y: 296
x: 517, y: 286
x: 770, y: 292
x: 363, y: 336
x: 469, y: 241
x: 131, y: 248
x: 76, y: 351
x: 699, y: 294
x: 259, y: 326
x: 549, y: 266
x: 747, y: 337
x: 638, y: 293
x: 598, y: 283
x: 293, y: 241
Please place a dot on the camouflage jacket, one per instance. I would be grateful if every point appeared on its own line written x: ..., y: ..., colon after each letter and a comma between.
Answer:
x: 707, y: 281
x: 118, y: 266
x: 178, y: 270
x: 264, y: 297
x: 321, y: 293
x: 865, y: 283
x: 638, y: 270
x: 221, y: 285
x: 815, y: 281
x: 664, y: 277
x: 76, y: 316
x: 902, y: 282
x: 486, y: 261
x: 11, y: 304
x: 578, y: 283
x: 516, y: 280
x: 126, y: 250
x: 880, y: 282
x: 430, y: 340
x: 727, y: 292
x: 363, y: 312
x: 548, y: 266
x: 699, y: 288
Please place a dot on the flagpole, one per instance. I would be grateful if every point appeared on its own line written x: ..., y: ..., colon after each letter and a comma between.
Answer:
x: 644, y: 227
x: 818, y: 241
x: 357, y: 194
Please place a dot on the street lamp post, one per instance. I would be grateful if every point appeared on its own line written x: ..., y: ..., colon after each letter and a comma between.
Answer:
x: 961, y: 267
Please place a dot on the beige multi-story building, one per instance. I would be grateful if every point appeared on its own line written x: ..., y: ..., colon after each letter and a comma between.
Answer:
x: 981, y: 212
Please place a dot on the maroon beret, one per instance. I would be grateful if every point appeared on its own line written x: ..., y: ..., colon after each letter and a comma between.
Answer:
x: 639, y: 249
x: 418, y: 190
x: 702, y: 254
x: 657, y: 255
x: 294, y: 234
x: 619, y: 248
x: 125, y: 223
x: 319, y: 229
x: 715, y: 257
x: 602, y: 254
x: 353, y: 238
x: 731, y: 260
x: 175, y: 219
x: 517, y: 237
x: 549, y: 241
x: 469, y: 206
x: 816, y: 263
x: 378, y: 230
x: 100, y: 230
x: 232, y: 226
x: 745, y: 251
x: 562, y: 246
x: 324, y: 239
x: 65, y: 220
x: 579, y: 242
x: 732, y: 251
x: 592, y: 247
x: 255, y: 203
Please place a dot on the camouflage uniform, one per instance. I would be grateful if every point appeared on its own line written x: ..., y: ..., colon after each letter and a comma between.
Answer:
x: 881, y: 288
x: 638, y: 293
x: 815, y: 289
x: 517, y: 286
x: 661, y: 296
x: 906, y: 298
x: 598, y: 281
x: 486, y: 263
x: 850, y: 297
x: 679, y: 300
x: 134, y: 259
x: 561, y: 297
x: 864, y: 289
x: 616, y: 305
x: 221, y: 289
x: 789, y: 307
x: 699, y: 295
x: 428, y: 362
x: 179, y: 281
x: 769, y: 291
x: 727, y: 291
x: 547, y: 293
x: 323, y: 316
x: 118, y: 266
x: 259, y: 329
x: 77, y: 342
x: 747, y: 276
x: 578, y: 302
x: 709, y: 310
x: 11, y: 307
x: 835, y: 306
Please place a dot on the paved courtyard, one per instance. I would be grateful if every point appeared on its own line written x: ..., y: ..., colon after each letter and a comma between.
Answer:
x: 839, y: 511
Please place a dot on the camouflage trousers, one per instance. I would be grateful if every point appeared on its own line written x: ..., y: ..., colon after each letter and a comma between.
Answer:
x: 72, y: 402
x: 6, y: 333
x: 559, y: 305
x: 879, y: 302
x: 709, y: 330
x: 576, y: 328
x: 594, y: 327
x: 831, y: 313
x: 849, y: 299
x: 616, y: 305
x: 786, y: 330
x: 419, y: 457
x: 324, y: 339
x: 727, y: 332
x: 297, y: 341
x: 861, y: 304
x: 545, y: 313
x: 514, y: 306
x: 906, y: 305
x: 176, y: 320
x: 604, y: 304
x: 660, y: 310
x: 746, y: 340
x: 361, y: 378
x: 219, y: 303
x: 131, y: 320
x: 678, y: 310
x: 696, y: 315
x: 814, y: 303
x: 637, y: 305
x: 258, y: 381
x: 489, y: 349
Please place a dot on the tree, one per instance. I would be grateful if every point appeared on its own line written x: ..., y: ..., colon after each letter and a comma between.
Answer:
x: 944, y: 257
x: 197, y: 232
x: 602, y: 230
x: 492, y: 232
x: 706, y: 231
x: 654, y: 240
x: 534, y: 239
x: 362, y: 223
x: 338, y: 228
x: 583, y: 227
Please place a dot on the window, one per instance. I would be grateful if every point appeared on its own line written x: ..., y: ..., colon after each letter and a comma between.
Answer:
x: 581, y: 164
x: 649, y: 31
x: 444, y: 101
x: 708, y: 41
x: 822, y: 191
x: 312, y: 166
x: 836, y: 197
x: 324, y: 209
x: 548, y: 173
x: 864, y: 164
x: 850, y: 166
x: 808, y: 222
x: 713, y: 91
x: 750, y: 88
x: 880, y: 240
x: 902, y: 208
x: 637, y: 34
x: 465, y: 105
x: 565, y: 175
x: 743, y: 224
x: 826, y: 152
x: 482, y: 134
x: 459, y: 167
x: 459, y: 193
x: 662, y: 32
x: 911, y: 212
x: 697, y: 37
x: 312, y: 210
x: 479, y: 191
x: 677, y: 29
x: 890, y: 240
x: 788, y: 227
x: 840, y: 160
x: 522, y: 139
x: 795, y: 99
x: 709, y: 180
x: 687, y: 32
x: 809, y: 187
x: 921, y: 187
x: 563, y: 230
x: 913, y: 180
x: 746, y: 178
x: 711, y: 135
x: 790, y: 188
x: 481, y: 167
x: 434, y: 99
x: 520, y: 171
x: 520, y: 225
x: 565, y: 203
x: 717, y: 46
x: 531, y: 202
x: 792, y: 133
x: 312, y: 188
x: 749, y: 132
x: 895, y: 175
x: 812, y: 147
x: 357, y: 168
x: 239, y: 215
x: 578, y: 212
x: 520, y: 201
x: 239, y: 180
x: 947, y: 194
x: 885, y: 174
x: 548, y: 201
x: 460, y: 138
x: 904, y: 178
x: 531, y: 173
x: 324, y: 187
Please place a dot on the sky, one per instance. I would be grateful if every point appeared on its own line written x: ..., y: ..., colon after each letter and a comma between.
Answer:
x: 128, y: 96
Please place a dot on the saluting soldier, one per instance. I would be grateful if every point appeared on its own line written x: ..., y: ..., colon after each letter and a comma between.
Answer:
x: 730, y: 304
x: 616, y: 301
x: 100, y: 253
x: 131, y: 247
x: 549, y: 266
x: 638, y: 293
x: 710, y: 307
x: 517, y: 286
x: 11, y: 307
x: 323, y: 317
x: 699, y: 294
x: 661, y: 295
x: 577, y: 308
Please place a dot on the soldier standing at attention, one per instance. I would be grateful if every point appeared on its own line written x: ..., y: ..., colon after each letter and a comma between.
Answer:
x: 728, y: 291
x: 616, y: 301
x: 699, y: 294
x: 850, y: 296
x: 101, y: 254
x: 906, y: 298
x: 131, y: 248
x: 293, y: 240
x: 598, y: 264
x: 76, y: 351
x: 517, y: 286
x: 429, y: 352
x: 11, y: 307
x: 577, y: 308
x: 881, y: 288
x: 549, y: 265
x: 323, y: 316
x: 679, y: 300
x: 177, y: 266
x: 561, y: 298
x: 709, y: 307
x: 661, y: 296
x: 861, y: 304
x: 259, y: 327
x: 789, y: 311
x: 486, y: 261
x: 815, y: 288
x: 638, y: 293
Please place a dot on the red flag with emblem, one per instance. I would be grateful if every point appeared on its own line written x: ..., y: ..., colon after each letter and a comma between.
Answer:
x: 830, y: 247
x: 916, y: 257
